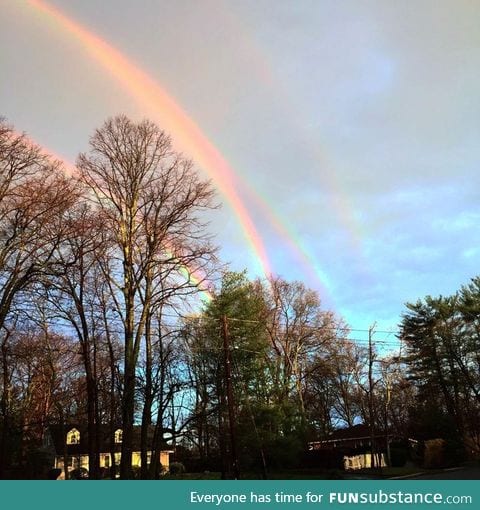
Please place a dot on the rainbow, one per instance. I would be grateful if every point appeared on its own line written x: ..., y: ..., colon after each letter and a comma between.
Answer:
x: 161, y: 105
x: 155, y: 99
x: 337, y: 198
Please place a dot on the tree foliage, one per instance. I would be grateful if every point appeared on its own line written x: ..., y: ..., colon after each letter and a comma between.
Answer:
x: 442, y: 341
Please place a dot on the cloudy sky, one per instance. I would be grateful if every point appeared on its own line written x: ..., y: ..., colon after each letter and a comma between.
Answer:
x: 343, y: 137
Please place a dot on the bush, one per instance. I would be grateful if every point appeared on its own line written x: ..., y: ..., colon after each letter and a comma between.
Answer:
x: 197, y: 465
x: 434, y: 453
x: 105, y: 473
x: 39, y: 464
x: 79, y: 474
x: 398, y: 456
x: 177, y: 468
x: 284, y: 453
x: 53, y: 474
x: 323, y: 459
x: 454, y: 452
x: 136, y: 472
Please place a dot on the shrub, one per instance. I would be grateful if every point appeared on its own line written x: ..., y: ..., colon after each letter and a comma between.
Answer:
x: 79, y: 474
x: 398, y: 456
x: 284, y: 452
x: 54, y: 473
x: 39, y: 464
x: 177, y: 468
x: 324, y: 459
x: 434, y: 453
x: 454, y: 452
x: 105, y: 473
x: 136, y: 472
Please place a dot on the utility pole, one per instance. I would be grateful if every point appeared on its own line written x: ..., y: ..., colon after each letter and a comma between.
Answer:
x: 230, y: 402
x: 370, y: 395
x: 387, y: 404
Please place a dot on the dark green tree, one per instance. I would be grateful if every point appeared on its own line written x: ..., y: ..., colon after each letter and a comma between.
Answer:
x: 227, y: 345
x: 442, y: 359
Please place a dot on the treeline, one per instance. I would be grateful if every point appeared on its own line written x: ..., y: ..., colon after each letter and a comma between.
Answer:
x: 100, y: 274
x: 96, y: 271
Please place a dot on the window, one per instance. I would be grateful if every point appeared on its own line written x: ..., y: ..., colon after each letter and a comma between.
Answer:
x: 118, y: 435
x: 73, y: 437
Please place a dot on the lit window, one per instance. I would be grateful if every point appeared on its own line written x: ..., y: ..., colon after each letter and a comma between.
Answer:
x: 118, y: 435
x: 73, y: 437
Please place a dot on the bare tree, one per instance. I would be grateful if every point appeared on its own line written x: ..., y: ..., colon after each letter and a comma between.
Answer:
x: 34, y: 197
x: 298, y: 329
x: 43, y: 364
x: 150, y: 198
x: 73, y: 292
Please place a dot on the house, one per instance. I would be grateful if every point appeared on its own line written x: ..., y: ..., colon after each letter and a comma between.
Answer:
x: 69, y: 445
x: 354, y: 444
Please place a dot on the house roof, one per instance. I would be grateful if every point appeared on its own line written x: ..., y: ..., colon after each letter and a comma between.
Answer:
x: 344, y: 436
x: 356, y: 432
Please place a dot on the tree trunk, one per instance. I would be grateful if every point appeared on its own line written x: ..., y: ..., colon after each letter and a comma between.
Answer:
x: 148, y: 401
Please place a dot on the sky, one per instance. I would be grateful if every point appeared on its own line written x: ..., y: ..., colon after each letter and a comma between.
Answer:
x: 342, y: 137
